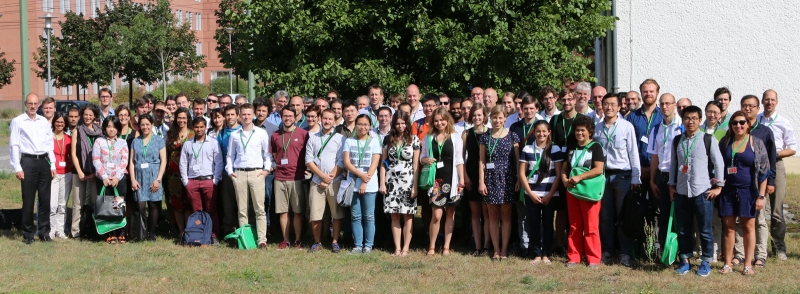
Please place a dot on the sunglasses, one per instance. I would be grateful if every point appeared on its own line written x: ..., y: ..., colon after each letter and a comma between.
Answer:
x: 331, y: 98
x: 212, y: 101
x: 445, y: 102
x: 738, y: 122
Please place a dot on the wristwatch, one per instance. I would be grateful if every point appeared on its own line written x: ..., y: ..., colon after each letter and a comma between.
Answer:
x: 761, y: 197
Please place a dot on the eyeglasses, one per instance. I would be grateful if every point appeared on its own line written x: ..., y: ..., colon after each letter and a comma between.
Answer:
x: 445, y: 102
x: 749, y: 106
x: 211, y: 101
x: 691, y: 119
x: 105, y: 97
x: 330, y: 98
x: 665, y: 104
x: 738, y: 122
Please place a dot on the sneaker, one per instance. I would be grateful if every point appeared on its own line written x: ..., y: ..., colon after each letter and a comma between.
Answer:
x: 367, y: 250
x: 214, y: 241
x: 316, y: 247
x: 781, y: 255
x: 683, y: 268
x: 61, y: 235
x: 283, y: 245
x: 298, y: 245
x: 262, y: 245
x: 606, y: 258
x: 704, y: 269
x: 335, y: 247
x: 625, y: 260
x: 571, y: 264
x: 356, y: 250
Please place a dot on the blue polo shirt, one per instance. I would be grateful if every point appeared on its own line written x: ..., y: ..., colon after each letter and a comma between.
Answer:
x: 275, y: 118
x: 642, y: 128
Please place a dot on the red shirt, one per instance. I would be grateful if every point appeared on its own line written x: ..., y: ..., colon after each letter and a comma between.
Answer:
x: 420, y: 129
x: 61, y: 150
x: 295, y: 143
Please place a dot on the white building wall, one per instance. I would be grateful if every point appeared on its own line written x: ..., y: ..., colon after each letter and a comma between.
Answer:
x: 693, y: 47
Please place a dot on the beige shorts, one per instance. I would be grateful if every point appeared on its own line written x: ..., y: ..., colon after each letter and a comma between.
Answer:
x: 318, y: 197
x: 289, y: 194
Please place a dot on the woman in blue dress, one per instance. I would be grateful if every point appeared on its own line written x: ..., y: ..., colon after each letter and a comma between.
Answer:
x: 148, y: 162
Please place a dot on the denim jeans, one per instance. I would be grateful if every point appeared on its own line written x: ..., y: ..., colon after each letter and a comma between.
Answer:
x: 540, y: 223
x: 702, y: 210
x: 617, y: 186
x: 268, y: 207
x: 363, y: 219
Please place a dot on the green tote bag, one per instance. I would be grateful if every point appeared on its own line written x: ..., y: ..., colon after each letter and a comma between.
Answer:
x: 427, y: 176
x: 587, y: 189
x: 671, y: 243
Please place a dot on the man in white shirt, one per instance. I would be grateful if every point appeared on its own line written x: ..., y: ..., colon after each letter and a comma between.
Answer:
x: 623, y: 173
x: 786, y: 145
x: 248, y: 163
x: 199, y: 109
x: 322, y: 150
x: 548, y: 96
x: 661, y: 149
x: 476, y: 94
x: 31, y: 151
x: 201, y: 169
x: 375, y: 103
x: 412, y: 97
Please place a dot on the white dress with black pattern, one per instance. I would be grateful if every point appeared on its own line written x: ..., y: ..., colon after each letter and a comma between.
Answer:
x: 399, y: 182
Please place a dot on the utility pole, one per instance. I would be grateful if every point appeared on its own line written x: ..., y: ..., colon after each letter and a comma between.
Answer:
x: 23, y: 41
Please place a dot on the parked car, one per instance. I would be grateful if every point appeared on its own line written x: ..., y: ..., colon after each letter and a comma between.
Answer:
x: 65, y: 105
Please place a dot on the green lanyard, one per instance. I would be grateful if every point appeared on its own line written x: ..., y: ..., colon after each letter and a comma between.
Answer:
x: 491, y: 148
x: 91, y: 142
x: 146, y: 146
x: 754, y: 126
x: 441, y: 146
x: 605, y: 133
x: 533, y: 170
x: 772, y: 122
x: 739, y: 148
x: 687, y: 148
x: 399, y: 150
x: 361, y: 149
x: 475, y: 132
x: 197, y: 153
x: 526, y: 130
x: 300, y: 123
x: 323, y: 144
x: 285, y: 143
x: 126, y: 135
x: 244, y: 144
x: 564, y: 125
x: 649, y: 122
x: 111, y: 149
x: 706, y: 128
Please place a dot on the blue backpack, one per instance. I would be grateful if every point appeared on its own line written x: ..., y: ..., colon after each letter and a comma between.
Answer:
x: 198, y: 229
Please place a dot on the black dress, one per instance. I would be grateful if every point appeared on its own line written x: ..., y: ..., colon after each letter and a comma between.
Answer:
x: 444, y: 174
x: 472, y: 163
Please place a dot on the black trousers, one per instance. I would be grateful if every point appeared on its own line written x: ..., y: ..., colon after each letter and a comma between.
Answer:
x: 37, y: 180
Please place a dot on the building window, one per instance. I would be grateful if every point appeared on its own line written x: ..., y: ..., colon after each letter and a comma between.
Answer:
x: 199, y: 48
x: 80, y: 7
x: 200, y: 76
x: 63, y: 6
x: 189, y: 19
x: 47, y: 5
x: 94, y: 6
x: 109, y: 4
x: 179, y: 15
x: 198, y: 21
x: 148, y: 87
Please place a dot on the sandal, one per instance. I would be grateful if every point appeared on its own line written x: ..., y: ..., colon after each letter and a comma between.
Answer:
x: 547, y: 261
x: 446, y: 251
x: 431, y: 252
x: 737, y: 261
x: 496, y: 256
x: 762, y: 264
x: 396, y: 253
x: 111, y: 240
x: 121, y: 240
x: 748, y: 271
x: 727, y: 269
x: 536, y: 261
x: 403, y: 253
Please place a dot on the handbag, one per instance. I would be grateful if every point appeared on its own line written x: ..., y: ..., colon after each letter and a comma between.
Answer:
x: 671, y: 242
x: 344, y: 197
x: 587, y: 189
x: 245, y: 237
x: 138, y: 228
x: 427, y: 176
x: 109, y: 207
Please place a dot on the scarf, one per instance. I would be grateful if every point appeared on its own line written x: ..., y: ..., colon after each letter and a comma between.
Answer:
x: 85, y: 154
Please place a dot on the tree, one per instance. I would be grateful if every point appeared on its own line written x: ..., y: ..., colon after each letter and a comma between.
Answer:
x: 222, y: 85
x: 445, y: 45
x: 189, y: 86
x: 6, y: 70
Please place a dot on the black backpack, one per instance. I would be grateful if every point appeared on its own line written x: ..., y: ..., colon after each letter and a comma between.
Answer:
x: 636, y: 211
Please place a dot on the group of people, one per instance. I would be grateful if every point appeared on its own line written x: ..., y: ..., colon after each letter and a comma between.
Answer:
x: 511, y: 163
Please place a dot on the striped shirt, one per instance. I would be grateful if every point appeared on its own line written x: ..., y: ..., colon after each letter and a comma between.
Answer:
x: 531, y: 153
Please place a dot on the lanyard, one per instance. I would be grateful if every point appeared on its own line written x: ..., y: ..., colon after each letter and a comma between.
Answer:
x: 126, y: 135
x: 300, y: 123
x: 772, y: 122
x: 111, y: 148
x: 323, y: 144
x: 526, y: 130
x: 399, y: 150
x: 715, y: 127
x: 285, y: 143
x: 754, y: 126
x: 197, y: 153
x: 667, y: 128
x: 475, y: 132
x: 687, y: 148
x: 649, y: 122
x: 244, y: 144
x: 491, y: 148
x: 61, y: 146
x: 564, y: 125
x: 361, y: 149
x: 441, y: 146
x: 538, y: 159
x: 91, y: 142
x: 580, y: 156
x: 146, y: 146
x: 605, y: 133
x: 739, y: 148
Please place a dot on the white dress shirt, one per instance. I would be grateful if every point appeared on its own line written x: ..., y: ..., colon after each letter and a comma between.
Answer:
x: 620, y: 146
x: 418, y: 114
x: 256, y: 155
x: 663, y: 137
x: 546, y: 117
x: 782, y: 129
x: 208, y: 161
x: 30, y: 136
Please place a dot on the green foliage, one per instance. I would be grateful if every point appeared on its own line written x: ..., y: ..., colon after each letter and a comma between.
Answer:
x: 222, y: 85
x: 72, y: 55
x: 6, y: 70
x: 9, y: 113
x: 445, y: 45
x: 188, y: 86
x: 123, y: 95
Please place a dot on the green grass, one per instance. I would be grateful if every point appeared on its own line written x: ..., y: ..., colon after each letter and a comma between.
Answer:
x: 74, y: 266
x: 5, y: 131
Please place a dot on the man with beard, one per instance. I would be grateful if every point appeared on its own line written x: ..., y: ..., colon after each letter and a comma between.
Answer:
x: 582, y: 94
x: 643, y: 120
x: 548, y: 96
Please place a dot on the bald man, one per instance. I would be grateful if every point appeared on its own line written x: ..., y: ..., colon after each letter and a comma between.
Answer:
x: 412, y: 97
x: 597, y: 100
x: 297, y: 103
x: 490, y: 98
x: 31, y: 147
x: 477, y: 95
x: 683, y: 103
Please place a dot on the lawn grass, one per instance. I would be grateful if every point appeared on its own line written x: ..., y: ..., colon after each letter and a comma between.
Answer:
x: 5, y: 131
x: 77, y: 266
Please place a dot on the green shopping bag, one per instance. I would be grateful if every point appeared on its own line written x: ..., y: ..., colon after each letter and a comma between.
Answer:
x: 245, y: 237
x: 671, y: 243
x: 427, y: 176
x: 107, y: 225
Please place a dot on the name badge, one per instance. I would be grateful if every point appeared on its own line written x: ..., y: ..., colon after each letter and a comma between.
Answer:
x: 144, y: 165
x: 439, y: 165
x: 644, y: 140
x: 564, y: 149
x: 284, y: 161
x: 732, y: 170
x: 196, y: 168
x: 110, y: 165
x: 62, y: 163
x: 490, y: 165
x: 685, y: 168
x: 317, y: 162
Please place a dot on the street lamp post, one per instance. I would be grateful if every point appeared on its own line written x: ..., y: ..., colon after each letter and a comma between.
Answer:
x: 48, y: 28
x: 230, y: 70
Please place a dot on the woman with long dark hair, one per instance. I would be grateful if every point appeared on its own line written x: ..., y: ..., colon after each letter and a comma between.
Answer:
x: 217, y: 122
x: 401, y: 152
x: 478, y: 116
x: 746, y: 171
x: 538, y: 177
x: 110, y: 159
x: 61, y: 185
x: 147, y: 165
x: 82, y: 169
x: 179, y: 132
x: 712, y: 124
